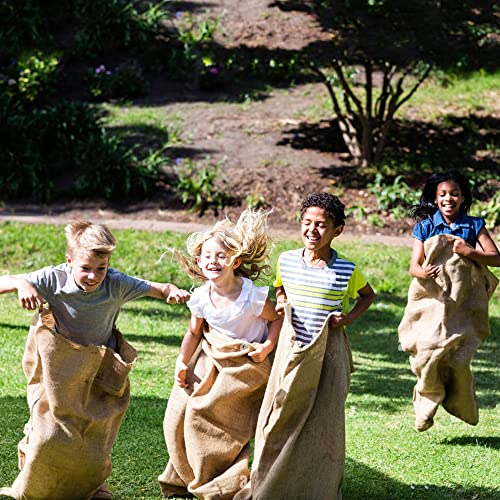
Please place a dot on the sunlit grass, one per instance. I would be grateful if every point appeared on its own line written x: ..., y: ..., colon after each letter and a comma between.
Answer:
x: 386, y: 458
x: 460, y: 96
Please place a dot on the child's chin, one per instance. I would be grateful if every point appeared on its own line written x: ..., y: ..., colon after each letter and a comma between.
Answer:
x: 87, y: 288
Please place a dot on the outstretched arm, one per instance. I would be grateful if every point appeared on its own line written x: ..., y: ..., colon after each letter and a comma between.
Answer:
x: 168, y: 292
x: 488, y: 255
x: 275, y: 321
x: 188, y: 347
x: 29, y: 298
x: 417, y: 259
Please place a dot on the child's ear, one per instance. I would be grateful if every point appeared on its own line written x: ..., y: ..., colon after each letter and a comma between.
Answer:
x: 198, y: 261
x: 236, y: 263
x: 338, y: 231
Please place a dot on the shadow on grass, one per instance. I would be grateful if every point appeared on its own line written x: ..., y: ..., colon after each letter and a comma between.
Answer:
x: 392, y: 387
x: 164, y: 312
x: 170, y: 340
x: 374, y: 338
x: 140, y: 455
x: 14, y: 414
x: 362, y: 482
x: 15, y: 329
x: 484, y: 441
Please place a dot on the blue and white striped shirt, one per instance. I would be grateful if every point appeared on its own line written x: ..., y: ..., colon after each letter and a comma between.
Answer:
x: 316, y: 292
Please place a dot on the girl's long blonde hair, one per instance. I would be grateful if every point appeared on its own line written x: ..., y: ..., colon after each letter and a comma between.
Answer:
x: 247, y: 240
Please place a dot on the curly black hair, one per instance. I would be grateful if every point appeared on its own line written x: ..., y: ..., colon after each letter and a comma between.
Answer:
x: 427, y: 205
x: 330, y: 203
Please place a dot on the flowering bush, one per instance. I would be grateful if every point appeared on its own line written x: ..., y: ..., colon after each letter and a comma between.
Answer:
x: 37, y: 76
x: 125, y: 81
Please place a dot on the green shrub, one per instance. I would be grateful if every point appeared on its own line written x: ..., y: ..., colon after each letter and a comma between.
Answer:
x: 64, y: 150
x: 397, y: 197
x: 109, y: 169
x: 39, y: 145
x: 196, y: 187
x: 107, y: 25
x: 192, y: 54
x: 489, y: 210
x: 24, y: 24
x: 37, y: 76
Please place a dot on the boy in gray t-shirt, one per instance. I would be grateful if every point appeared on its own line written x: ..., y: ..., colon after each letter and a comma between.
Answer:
x: 85, y: 294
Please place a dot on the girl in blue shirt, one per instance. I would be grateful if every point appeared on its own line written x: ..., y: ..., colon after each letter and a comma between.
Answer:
x: 443, y: 208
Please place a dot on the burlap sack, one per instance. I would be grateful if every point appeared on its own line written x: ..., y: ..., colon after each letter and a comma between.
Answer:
x: 444, y: 322
x: 77, y: 397
x: 300, y: 437
x: 208, y: 426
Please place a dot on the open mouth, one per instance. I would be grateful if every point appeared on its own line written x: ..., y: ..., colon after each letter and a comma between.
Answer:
x: 312, y: 239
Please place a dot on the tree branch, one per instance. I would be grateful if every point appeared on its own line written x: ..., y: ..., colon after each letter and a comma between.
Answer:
x: 345, y: 87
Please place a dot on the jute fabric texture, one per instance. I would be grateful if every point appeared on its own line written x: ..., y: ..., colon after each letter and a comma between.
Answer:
x: 208, y: 426
x: 77, y: 397
x: 445, y: 321
x: 300, y: 436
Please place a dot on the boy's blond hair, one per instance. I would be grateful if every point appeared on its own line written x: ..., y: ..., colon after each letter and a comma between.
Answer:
x: 87, y: 238
x: 246, y: 240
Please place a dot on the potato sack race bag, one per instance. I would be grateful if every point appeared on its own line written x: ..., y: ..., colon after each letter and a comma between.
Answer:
x: 300, y: 437
x: 208, y: 426
x: 77, y: 397
x: 445, y: 321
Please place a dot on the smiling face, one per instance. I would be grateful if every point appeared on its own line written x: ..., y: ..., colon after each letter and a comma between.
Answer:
x: 214, y: 261
x: 89, y: 271
x: 448, y: 200
x: 318, y: 231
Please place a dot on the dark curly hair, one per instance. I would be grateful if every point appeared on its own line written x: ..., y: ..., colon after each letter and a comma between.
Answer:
x: 330, y: 203
x: 427, y: 205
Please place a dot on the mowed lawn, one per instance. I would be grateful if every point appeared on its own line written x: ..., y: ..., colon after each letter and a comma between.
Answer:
x: 386, y: 458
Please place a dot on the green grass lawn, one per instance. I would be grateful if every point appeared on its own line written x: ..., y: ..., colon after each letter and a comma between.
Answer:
x: 386, y: 458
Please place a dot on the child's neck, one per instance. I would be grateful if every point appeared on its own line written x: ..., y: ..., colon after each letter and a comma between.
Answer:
x: 450, y: 220
x: 319, y: 258
x: 224, y: 293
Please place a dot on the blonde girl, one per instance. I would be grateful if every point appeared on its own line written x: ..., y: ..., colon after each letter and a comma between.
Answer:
x: 227, y: 259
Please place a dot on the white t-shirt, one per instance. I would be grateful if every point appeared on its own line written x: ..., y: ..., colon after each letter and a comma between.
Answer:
x: 241, y: 319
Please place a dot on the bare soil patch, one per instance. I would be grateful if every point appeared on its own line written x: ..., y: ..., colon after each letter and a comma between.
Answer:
x: 277, y: 145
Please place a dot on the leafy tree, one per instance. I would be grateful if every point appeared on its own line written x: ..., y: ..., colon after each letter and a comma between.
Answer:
x: 378, y: 52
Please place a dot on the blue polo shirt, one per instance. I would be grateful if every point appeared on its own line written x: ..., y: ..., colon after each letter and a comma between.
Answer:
x: 466, y: 227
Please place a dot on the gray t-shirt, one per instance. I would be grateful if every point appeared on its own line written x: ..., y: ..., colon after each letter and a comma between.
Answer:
x: 86, y: 318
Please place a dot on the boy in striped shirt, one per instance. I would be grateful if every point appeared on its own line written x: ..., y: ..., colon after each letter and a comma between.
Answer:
x: 316, y: 280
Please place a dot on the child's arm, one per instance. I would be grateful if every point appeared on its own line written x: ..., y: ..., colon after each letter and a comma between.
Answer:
x: 417, y: 258
x: 29, y: 298
x: 188, y: 347
x: 262, y: 350
x: 168, y: 292
x: 488, y: 255
x: 280, y: 300
x: 366, y: 296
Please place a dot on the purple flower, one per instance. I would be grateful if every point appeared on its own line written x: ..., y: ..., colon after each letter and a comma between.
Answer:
x: 213, y: 70
x: 178, y: 161
x: 108, y: 73
x: 179, y: 14
x: 100, y: 69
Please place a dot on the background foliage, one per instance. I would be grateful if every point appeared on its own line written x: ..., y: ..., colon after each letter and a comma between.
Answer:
x: 64, y: 65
